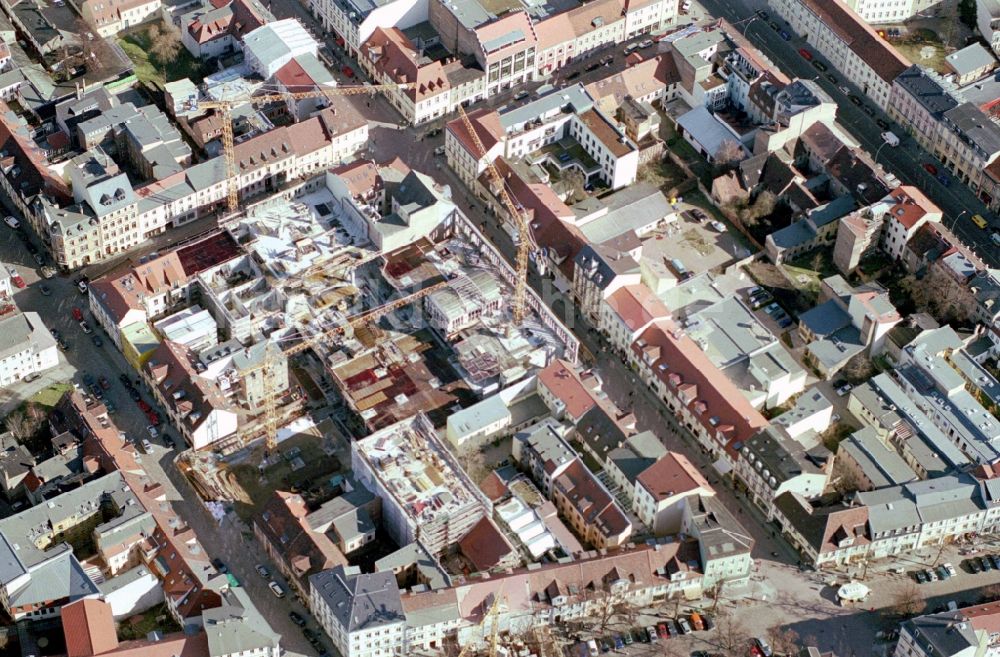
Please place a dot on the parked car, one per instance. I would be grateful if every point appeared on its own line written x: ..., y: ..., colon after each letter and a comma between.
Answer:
x: 645, y: 43
x: 943, y: 573
x: 785, y: 35
x: 617, y: 638
x: 85, y: 327
x: 951, y: 569
x: 832, y: 78
x: 297, y: 619
x: 684, y: 625
x: 854, y: 100
x: 153, y: 432
x: 930, y: 168
x: 867, y: 109
x: 262, y: 570
x: 82, y: 286
x: 819, y: 66
x: 844, y: 389
x: 627, y: 638
x: 698, y: 214
x: 143, y: 406
x: 882, y: 123
x: 696, y: 622
x: 663, y: 632
x: 276, y: 589
x: 104, y: 382
x: 986, y: 564
x: 521, y: 95
x: 347, y: 70
x: 944, y: 179
x: 96, y: 339
x: 12, y: 222
x: 974, y: 566
x: 717, y: 226
x: 806, y: 54
x: 651, y: 633
x: 931, y: 575
x: 763, y: 646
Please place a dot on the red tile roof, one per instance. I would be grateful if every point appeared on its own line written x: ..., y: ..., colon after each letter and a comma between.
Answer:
x: 89, y: 628
x: 864, y: 41
x: 203, y: 32
x: 584, y: 492
x: 493, y: 487
x: 283, y: 523
x: 392, y: 54
x: 984, y: 618
x: 672, y: 475
x: 911, y: 205
x: 637, y: 306
x: 485, y: 545
x: 486, y: 123
x: 515, y: 21
x: 676, y: 359
x: 295, y: 78
x: 361, y: 177
x: 564, y: 382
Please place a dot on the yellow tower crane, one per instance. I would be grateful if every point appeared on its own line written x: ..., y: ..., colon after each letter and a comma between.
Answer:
x: 354, y: 321
x: 493, y: 617
x: 527, y: 240
x: 225, y: 109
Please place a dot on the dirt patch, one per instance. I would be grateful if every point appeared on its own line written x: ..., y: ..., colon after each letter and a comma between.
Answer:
x: 303, y: 466
x: 692, y: 238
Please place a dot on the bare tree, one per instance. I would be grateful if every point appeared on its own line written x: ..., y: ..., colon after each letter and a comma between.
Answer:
x: 940, y: 295
x: 784, y: 640
x: 731, y: 635
x: 859, y: 368
x: 25, y: 423
x: 729, y: 154
x: 762, y: 207
x: 574, y: 180
x: 907, y: 602
x: 604, y: 611
x: 164, y: 44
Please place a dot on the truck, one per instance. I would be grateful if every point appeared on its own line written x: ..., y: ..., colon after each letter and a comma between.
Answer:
x: 890, y: 138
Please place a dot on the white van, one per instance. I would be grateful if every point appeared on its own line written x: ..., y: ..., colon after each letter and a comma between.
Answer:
x: 890, y: 138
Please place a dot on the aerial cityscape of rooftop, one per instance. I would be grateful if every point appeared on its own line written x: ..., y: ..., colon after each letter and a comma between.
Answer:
x: 500, y: 328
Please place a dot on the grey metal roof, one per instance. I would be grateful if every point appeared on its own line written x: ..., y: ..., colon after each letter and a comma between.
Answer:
x: 881, y: 465
x: 975, y: 128
x: 946, y: 634
x: 55, y: 579
x: 602, y: 265
x: 237, y: 627
x: 825, y: 319
x: 933, y: 93
x: 415, y: 555
x: 628, y: 209
x: 574, y: 98
x: 359, y: 601
x: 970, y: 58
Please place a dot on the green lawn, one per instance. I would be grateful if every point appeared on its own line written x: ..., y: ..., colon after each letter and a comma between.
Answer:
x: 149, y: 70
x: 50, y: 396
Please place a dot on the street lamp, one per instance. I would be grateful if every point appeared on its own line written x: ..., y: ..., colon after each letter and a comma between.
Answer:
x: 879, y: 150
x: 955, y: 223
x: 752, y: 19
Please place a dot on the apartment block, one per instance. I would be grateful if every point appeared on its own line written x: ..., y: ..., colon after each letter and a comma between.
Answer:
x: 848, y: 42
x: 426, y: 495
